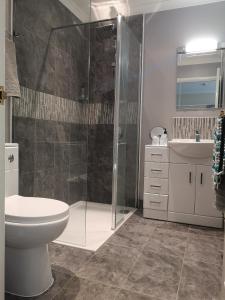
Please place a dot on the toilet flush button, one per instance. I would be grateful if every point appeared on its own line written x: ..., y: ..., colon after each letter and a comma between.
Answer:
x: 11, y: 158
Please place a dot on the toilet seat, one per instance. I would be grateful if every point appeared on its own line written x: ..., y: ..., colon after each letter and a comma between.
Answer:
x: 34, y: 210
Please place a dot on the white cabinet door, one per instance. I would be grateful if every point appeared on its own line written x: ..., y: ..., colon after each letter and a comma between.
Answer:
x: 182, y: 188
x: 2, y: 149
x: 205, y: 195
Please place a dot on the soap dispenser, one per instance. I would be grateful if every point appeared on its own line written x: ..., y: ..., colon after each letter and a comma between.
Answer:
x: 164, y: 138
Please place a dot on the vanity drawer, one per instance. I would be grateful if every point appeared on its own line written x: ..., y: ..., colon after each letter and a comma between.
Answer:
x: 153, y: 201
x: 156, y: 186
x: 157, y: 154
x: 156, y: 170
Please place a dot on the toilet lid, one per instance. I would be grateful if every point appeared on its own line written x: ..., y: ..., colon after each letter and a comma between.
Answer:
x: 20, y: 209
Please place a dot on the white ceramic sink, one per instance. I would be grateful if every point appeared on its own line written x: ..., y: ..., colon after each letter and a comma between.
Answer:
x: 191, y: 148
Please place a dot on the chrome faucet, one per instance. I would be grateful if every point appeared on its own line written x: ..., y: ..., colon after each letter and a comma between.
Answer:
x: 197, y: 136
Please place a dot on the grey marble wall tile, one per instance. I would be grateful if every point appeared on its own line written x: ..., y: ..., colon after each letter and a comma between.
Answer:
x: 45, y: 131
x: 40, y: 16
x: 37, y: 46
x: 102, y: 51
x: 47, y: 75
x: 100, y: 161
x: 77, y: 191
x: 79, y: 132
x: 99, y: 184
x: 44, y: 155
x: 78, y: 153
x: 131, y: 164
x: 62, y: 132
x: 44, y: 183
x: 26, y: 184
x: 27, y: 154
x: 64, y: 73
x: 23, y: 129
x: 61, y: 157
x: 61, y: 186
x: 77, y: 183
x: 29, y: 58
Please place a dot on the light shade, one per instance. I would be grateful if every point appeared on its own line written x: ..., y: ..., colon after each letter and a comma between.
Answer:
x: 201, y: 45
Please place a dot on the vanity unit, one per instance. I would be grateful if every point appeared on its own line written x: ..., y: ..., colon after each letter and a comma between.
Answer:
x: 178, y: 184
x: 156, y: 185
x: 192, y: 196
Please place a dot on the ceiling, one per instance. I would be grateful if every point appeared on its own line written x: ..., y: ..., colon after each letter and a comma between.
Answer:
x: 147, y: 6
x: 104, y: 9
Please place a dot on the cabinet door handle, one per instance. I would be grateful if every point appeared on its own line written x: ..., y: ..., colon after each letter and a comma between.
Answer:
x: 201, y: 180
x: 190, y: 177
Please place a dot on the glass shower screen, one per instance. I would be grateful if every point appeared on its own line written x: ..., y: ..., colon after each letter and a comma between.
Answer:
x: 126, y: 120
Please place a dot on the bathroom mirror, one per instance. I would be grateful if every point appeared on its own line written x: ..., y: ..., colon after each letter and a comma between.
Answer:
x: 199, y: 80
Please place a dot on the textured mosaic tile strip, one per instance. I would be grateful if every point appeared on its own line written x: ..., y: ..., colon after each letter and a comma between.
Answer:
x: 42, y: 106
x: 185, y: 127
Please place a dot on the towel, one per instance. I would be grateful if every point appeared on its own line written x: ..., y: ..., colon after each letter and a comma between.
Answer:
x: 219, y: 151
x: 219, y: 163
x: 220, y: 195
x: 12, y: 86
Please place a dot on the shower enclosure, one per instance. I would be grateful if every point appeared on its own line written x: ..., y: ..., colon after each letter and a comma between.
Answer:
x: 77, y: 122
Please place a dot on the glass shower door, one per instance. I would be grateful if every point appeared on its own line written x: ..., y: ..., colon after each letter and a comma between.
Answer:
x: 126, y: 121
x: 53, y: 114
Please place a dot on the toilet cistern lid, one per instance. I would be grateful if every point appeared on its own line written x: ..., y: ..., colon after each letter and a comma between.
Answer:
x: 19, y: 209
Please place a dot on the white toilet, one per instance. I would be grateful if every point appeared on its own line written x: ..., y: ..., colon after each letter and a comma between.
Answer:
x: 30, y: 224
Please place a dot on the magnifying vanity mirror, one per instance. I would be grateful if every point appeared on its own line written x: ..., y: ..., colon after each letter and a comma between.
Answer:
x: 199, y: 80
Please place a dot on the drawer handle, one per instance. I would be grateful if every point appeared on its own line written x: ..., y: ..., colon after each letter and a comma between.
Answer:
x: 156, y: 154
x: 156, y: 186
x: 155, y: 170
x: 155, y: 201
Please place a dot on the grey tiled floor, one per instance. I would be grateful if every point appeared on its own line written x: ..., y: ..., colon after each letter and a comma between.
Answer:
x: 143, y: 260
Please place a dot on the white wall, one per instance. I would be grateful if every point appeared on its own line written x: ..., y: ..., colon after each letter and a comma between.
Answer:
x: 164, y: 32
x: 2, y: 150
